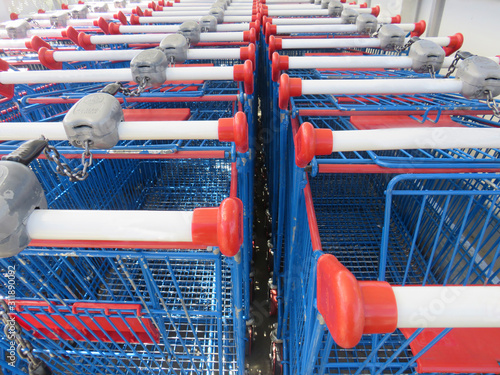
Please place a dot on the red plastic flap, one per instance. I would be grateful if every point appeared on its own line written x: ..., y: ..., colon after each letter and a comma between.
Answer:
x: 462, y: 350
x: 97, y: 322
x: 390, y: 122
x: 181, y: 86
x: 158, y: 114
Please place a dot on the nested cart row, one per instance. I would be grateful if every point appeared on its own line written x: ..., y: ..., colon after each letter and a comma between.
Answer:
x: 134, y: 197
x: 385, y: 237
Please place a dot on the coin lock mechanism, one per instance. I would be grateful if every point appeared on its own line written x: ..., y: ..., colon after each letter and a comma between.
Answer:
x: 335, y: 8
x: 208, y: 24
x: 80, y: 12
x: 366, y: 24
x: 220, y: 4
x: 17, y: 29
x: 391, y: 37
x: 94, y: 119
x: 191, y: 31
x: 120, y: 3
x: 349, y: 16
x: 480, y: 76
x: 20, y: 194
x: 218, y: 13
x: 149, y: 67
x: 59, y: 19
x: 426, y: 56
x: 101, y: 8
x: 175, y: 48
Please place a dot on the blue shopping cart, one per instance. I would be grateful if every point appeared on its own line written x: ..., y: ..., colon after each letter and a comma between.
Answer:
x: 399, y: 233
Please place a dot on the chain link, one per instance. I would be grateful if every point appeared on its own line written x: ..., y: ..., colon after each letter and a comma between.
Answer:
x: 24, y: 347
x: 375, y: 34
x: 407, y: 45
x: 432, y: 71
x: 492, y: 104
x: 34, y: 23
x: 138, y: 91
x: 453, y: 65
x: 64, y: 169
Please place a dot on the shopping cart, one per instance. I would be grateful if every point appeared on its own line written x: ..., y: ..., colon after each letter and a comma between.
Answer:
x: 408, y: 231
x: 125, y: 307
x: 303, y: 343
x: 96, y: 307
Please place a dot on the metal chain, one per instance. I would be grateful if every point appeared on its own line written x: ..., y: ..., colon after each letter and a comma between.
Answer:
x: 453, y: 65
x: 14, y: 331
x: 492, y: 104
x: 375, y: 34
x: 432, y: 71
x: 138, y: 91
x: 64, y: 169
x: 34, y: 23
x: 407, y: 45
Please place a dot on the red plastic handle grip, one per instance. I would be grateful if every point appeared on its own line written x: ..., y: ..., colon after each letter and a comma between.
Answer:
x: 351, y: 308
x: 274, y: 44
x: 248, y: 53
x: 114, y: 28
x: 270, y: 29
x: 85, y: 42
x: 36, y: 43
x: 396, y: 19
x: 244, y: 73
x: 288, y: 87
x: 235, y: 130
x: 456, y: 42
x: 134, y: 19
x: 419, y: 28
x: 279, y: 63
x: 222, y: 227
x: 46, y: 57
x: 310, y: 142
x: 103, y: 25
x: 121, y: 17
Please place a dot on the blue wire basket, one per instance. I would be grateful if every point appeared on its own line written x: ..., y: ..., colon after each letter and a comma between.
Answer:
x: 143, y: 313
x: 406, y: 230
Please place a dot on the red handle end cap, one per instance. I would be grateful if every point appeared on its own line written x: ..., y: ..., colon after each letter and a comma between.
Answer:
x: 279, y: 63
x: 248, y: 53
x: 419, y: 28
x: 288, y: 87
x: 456, y: 42
x: 103, y: 25
x: 340, y: 301
x: 37, y: 43
x: 244, y: 73
x: 274, y: 44
x: 230, y: 226
x: 134, y: 19
x: 114, y: 28
x: 46, y: 57
x: 84, y: 42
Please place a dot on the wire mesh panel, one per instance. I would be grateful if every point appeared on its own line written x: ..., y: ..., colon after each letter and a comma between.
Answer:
x: 148, y: 312
x: 139, y: 184
x: 435, y: 225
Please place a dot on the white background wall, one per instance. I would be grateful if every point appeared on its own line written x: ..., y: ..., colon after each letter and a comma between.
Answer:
x: 477, y: 20
x: 26, y: 6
